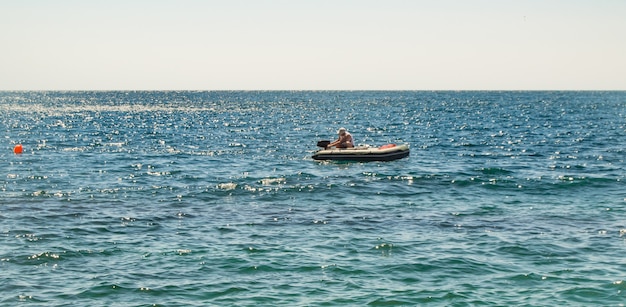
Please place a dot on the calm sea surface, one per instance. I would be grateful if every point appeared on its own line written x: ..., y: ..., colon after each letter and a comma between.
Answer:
x: 212, y: 199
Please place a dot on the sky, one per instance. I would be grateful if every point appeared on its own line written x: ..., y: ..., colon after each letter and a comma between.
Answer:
x: 313, y: 45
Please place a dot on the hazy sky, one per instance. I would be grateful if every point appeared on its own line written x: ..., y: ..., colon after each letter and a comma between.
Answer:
x: 323, y: 44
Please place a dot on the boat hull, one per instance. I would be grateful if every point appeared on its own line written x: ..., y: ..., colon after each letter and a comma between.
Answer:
x: 363, y: 154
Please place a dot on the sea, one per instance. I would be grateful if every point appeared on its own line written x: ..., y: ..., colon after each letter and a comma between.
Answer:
x: 211, y: 198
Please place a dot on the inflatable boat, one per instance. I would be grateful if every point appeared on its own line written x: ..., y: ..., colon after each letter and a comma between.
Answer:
x: 387, y: 152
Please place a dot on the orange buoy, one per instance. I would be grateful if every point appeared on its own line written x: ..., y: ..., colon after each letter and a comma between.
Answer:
x: 18, y: 149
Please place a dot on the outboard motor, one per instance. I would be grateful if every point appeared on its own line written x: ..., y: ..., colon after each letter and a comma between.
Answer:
x: 323, y: 144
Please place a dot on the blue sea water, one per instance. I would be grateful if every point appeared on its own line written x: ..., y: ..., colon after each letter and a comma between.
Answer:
x: 212, y: 199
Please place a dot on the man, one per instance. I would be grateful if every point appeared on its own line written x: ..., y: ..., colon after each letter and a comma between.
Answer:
x: 344, y: 141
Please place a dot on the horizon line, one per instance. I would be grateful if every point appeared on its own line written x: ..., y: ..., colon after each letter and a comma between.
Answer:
x: 312, y: 90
